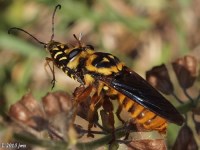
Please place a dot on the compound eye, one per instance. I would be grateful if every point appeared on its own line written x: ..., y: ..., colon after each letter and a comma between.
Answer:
x: 54, y: 47
x: 90, y: 47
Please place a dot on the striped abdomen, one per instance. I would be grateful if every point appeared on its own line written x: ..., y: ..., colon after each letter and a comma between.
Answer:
x: 143, y: 116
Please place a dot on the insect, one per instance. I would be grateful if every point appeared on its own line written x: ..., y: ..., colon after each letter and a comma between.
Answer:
x: 103, y: 77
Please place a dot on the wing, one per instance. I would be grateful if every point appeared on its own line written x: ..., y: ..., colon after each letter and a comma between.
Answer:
x: 136, y: 88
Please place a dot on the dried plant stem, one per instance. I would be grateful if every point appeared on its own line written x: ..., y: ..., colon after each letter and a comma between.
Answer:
x: 101, y: 127
x: 100, y: 142
x: 64, y: 145
x: 52, y: 131
x: 31, y: 140
x: 186, y: 93
x: 93, y: 132
x: 176, y: 97
x: 198, y: 97
x: 184, y: 108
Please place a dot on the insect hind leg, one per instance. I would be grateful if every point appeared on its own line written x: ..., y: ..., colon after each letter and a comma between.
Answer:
x: 108, y: 108
x: 96, y: 102
x: 118, y: 112
x: 121, y: 99
x: 80, y: 96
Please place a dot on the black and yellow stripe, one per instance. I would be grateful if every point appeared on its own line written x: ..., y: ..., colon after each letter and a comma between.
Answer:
x: 143, y: 116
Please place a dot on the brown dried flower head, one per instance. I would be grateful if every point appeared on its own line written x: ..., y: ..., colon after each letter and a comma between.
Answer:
x: 27, y: 111
x: 196, y: 119
x: 31, y: 113
x: 185, y: 140
x: 57, y: 102
x: 186, y: 71
x: 159, y: 78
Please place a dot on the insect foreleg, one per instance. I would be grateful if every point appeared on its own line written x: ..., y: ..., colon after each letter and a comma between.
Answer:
x: 48, y: 60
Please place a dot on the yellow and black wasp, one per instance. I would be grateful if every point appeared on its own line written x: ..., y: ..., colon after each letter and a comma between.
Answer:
x: 104, y: 77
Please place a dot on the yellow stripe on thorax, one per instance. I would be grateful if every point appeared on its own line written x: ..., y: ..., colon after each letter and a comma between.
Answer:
x: 104, y: 71
x: 58, y: 53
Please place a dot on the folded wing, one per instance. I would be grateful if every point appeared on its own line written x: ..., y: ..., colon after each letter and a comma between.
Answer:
x: 136, y: 88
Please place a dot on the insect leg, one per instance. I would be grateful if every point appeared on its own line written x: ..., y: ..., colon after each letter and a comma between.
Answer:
x: 118, y: 112
x: 119, y: 109
x: 80, y: 96
x: 52, y: 70
x: 94, y: 105
x: 108, y: 107
x: 76, y: 74
x: 82, y: 93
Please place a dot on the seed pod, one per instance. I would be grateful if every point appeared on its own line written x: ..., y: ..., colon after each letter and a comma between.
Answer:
x: 29, y: 112
x: 196, y: 119
x: 159, y: 78
x: 56, y: 102
x: 186, y: 71
x: 185, y: 140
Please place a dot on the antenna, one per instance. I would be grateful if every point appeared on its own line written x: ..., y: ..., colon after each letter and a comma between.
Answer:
x: 57, y: 7
x: 78, y: 39
x: 15, y: 28
x: 52, y: 36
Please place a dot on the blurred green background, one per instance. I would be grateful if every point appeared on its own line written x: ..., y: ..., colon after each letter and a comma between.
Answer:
x: 141, y: 33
